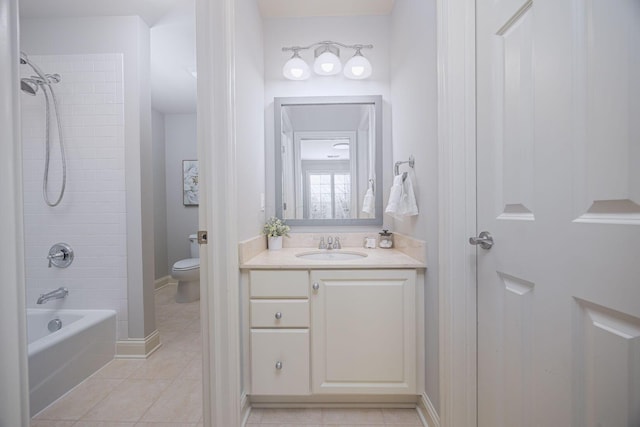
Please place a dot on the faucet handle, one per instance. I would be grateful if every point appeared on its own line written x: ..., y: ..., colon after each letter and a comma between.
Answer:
x: 322, y: 245
x: 336, y: 243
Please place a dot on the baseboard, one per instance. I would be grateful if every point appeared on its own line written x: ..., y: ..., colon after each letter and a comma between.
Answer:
x: 138, y: 348
x: 162, y: 282
x: 245, y: 409
x: 427, y: 412
x: 335, y: 401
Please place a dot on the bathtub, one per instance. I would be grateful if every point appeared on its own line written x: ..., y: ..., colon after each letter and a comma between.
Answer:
x: 60, y: 360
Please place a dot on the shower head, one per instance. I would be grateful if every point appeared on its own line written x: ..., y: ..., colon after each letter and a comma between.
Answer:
x: 29, y: 86
x: 23, y: 58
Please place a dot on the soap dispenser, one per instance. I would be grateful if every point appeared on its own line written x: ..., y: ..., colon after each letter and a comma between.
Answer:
x: 386, y: 239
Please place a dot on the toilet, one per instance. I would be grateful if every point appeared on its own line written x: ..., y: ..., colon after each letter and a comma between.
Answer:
x: 187, y: 273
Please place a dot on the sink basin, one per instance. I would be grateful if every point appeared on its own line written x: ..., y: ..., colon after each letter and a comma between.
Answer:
x: 331, y: 256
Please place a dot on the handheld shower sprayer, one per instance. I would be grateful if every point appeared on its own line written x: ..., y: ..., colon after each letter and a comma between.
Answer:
x: 30, y: 86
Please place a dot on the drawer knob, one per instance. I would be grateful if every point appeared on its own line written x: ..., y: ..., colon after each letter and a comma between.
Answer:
x: 278, y: 365
x: 316, y: 286
x: 278, y: 315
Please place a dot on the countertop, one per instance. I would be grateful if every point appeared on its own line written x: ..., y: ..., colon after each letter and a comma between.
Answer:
x: 285, y: 258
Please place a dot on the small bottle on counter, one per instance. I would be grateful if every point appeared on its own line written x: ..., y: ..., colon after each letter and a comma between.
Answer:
x: 386, y: 239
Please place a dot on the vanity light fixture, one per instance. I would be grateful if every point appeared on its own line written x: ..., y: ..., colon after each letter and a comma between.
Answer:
x: 358, y: 67
x: 327, y: 61
x: 295, y: 68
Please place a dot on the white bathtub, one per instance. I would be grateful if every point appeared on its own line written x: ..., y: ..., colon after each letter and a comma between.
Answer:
x: 60, y: 360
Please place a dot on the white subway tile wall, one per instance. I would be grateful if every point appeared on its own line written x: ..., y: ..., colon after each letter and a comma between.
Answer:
x: 92, y: 215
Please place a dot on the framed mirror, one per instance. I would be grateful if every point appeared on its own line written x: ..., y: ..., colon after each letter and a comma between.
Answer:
x: 328, y: 160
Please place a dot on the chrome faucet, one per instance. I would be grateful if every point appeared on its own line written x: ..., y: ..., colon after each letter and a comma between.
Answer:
x: 57, y: 294
x: 329, y: 243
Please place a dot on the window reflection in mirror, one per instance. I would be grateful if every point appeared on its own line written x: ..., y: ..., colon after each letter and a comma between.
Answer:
x: 328, y: 153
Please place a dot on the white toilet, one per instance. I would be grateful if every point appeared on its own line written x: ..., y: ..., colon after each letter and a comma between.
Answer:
x: 187, y: 273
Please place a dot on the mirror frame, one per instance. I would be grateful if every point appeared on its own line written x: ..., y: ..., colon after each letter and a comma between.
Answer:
x: 376, y: 101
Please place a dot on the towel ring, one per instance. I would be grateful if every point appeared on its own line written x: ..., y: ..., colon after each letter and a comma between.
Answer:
x: 411, y: 162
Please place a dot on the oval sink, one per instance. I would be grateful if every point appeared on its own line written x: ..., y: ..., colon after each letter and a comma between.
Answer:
x: 330, y: 256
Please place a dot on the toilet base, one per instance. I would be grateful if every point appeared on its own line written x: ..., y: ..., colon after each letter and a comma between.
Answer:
x: 188, y: 291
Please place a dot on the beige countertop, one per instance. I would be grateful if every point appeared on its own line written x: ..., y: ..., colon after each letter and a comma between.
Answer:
x: 286, y: 258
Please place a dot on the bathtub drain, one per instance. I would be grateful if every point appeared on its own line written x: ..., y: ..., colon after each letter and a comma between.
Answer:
x: 55, y: 325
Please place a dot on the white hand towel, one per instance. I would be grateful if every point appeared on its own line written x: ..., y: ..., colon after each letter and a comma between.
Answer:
x: 368, y: 204
x: 402, y: 200
x: 395, y: 195
x: 408, y: 205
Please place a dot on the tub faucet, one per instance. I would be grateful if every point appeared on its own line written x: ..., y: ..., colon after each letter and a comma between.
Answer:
x: 57, y: 294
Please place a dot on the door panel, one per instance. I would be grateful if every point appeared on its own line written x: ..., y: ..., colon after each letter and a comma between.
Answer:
x: 513, y: 113
x: 558, y: 188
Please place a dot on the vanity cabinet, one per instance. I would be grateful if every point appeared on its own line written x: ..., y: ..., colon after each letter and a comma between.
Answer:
x: 333, y: 332
x: 363, y: 331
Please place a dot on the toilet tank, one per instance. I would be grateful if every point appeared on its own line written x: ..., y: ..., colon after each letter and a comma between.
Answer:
x: 194, y: 248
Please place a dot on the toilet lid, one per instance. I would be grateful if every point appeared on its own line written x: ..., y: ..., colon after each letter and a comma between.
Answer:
x: 187, y: 264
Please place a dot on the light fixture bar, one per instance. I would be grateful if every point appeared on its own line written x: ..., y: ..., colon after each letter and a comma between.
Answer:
x: 328, y: 42
x: 327, y: 61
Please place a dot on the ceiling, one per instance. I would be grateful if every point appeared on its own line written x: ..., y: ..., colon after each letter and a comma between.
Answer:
x: 309, y: 8
x: 152, y: 10
x: 149, y: 10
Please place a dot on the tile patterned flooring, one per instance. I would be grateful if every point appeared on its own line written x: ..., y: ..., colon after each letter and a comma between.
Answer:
x: 166, y: 389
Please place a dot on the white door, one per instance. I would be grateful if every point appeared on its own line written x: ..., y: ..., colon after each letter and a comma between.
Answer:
x: 559, y: 191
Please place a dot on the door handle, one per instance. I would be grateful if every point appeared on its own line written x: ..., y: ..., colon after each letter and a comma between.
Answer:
x: 484, y: 240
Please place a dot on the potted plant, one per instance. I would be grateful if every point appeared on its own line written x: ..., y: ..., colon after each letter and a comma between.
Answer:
x: 274, y: 229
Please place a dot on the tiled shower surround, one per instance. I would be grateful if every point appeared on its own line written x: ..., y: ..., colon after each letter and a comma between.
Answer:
x: 92, y: 215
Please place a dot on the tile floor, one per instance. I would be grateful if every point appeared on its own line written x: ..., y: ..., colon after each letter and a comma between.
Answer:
x: 166, y: 389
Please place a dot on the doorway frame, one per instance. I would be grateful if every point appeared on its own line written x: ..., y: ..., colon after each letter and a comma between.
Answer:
x: 223, y: 402
x: 456, y: 47
x: 14, y: 396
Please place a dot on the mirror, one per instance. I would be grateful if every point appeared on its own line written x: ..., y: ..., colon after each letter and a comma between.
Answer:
x: 328, y: 160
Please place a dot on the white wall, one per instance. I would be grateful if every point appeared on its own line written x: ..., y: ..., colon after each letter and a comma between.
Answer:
x: 280, y: 32
x: 180, y: 144
x: 128, y: 36
x: 414, y: 115
x: 249, y: 91
x: 159, y: 195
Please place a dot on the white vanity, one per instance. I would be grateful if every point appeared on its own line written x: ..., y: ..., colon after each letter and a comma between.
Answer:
x: 317, y: 330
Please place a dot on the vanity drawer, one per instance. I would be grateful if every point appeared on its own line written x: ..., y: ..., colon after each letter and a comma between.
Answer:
x: 279, y: 284
x: 279, y: 313
x: 280, y: 362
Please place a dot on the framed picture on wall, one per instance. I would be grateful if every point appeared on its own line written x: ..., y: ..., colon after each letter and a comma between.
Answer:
x: 190, y: 183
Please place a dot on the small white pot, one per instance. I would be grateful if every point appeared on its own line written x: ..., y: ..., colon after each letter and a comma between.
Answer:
x: 275, y: 243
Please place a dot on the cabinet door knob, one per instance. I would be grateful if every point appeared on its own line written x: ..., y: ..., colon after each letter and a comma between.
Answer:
x: 278, y: 365
x: 316, y: 286
x: 278, y: 315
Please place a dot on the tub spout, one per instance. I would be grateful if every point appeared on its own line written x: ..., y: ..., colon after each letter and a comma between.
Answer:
x: 57, y: 294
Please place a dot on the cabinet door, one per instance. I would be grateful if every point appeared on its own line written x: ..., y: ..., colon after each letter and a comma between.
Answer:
x: 363, y: 331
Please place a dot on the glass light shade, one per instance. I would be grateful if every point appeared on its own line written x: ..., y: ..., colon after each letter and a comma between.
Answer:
x: 296, y: 69
x: 358, y: 67
x: 327, y: 64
